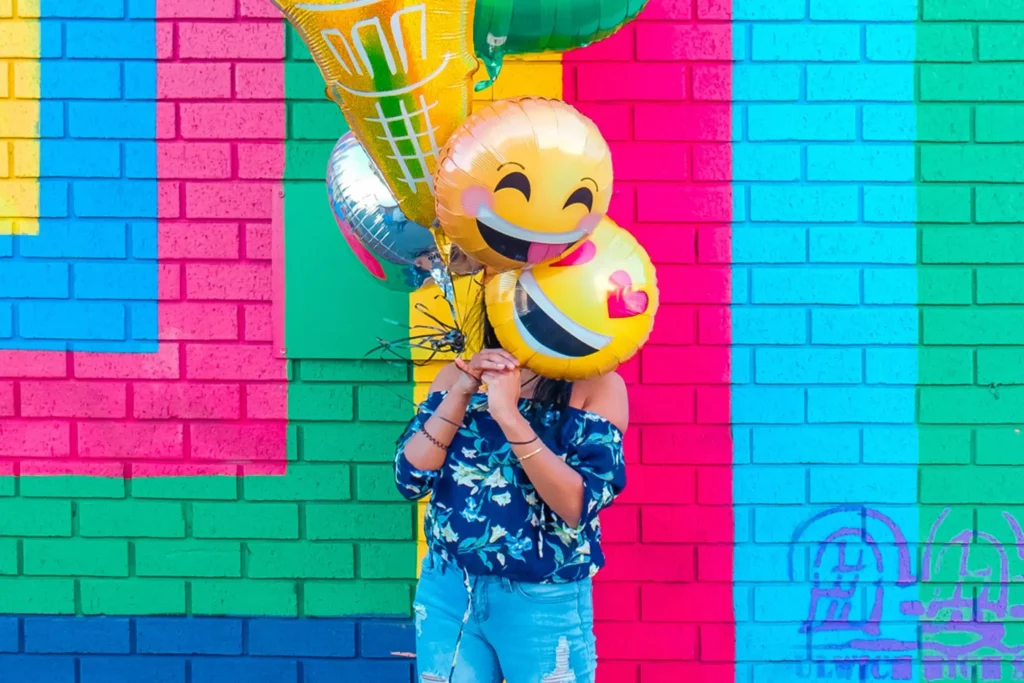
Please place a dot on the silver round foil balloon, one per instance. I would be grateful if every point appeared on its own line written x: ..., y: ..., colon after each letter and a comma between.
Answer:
x: 400, y: 254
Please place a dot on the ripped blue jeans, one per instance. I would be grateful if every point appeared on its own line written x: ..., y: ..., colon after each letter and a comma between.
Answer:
x: 486, y: 629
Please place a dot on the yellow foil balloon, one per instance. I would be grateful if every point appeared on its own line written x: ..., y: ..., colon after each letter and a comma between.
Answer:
x: 579, y: 316
x: 401, y: 71
x: 522, y: 180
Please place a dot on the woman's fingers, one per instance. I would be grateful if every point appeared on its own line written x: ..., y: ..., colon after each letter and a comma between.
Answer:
x: 504, y: 359
x: 468, y: 368
x: 509, y: 358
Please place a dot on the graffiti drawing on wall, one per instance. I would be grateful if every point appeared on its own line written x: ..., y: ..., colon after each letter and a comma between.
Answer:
x: 872, y: 614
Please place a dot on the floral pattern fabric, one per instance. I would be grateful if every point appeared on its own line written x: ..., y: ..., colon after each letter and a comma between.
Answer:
x: 485, y: 515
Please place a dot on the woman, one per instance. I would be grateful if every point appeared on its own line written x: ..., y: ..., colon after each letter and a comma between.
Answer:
x: 517, y: 477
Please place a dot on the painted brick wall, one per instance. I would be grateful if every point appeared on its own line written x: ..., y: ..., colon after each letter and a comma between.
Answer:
x: 150, y: 483
x: 826, y: 422
x: 824, y: 324
x: 877, y: 340
x: 660, y: 92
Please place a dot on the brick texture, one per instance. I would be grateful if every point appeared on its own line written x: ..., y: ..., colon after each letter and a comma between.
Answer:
x: 832, y: 397
x: 173, y: 219
x: 660, y: 90
x: 876, y: 345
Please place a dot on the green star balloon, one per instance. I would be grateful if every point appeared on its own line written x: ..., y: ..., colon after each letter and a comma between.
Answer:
x: 511, y: 27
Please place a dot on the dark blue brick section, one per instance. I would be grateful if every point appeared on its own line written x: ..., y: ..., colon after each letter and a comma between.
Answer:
x: 9, y: 634
x: 378, y: 640
x: 133, y: 669
x: 71, y: 635
x: 37, y: 669
x: 356, y: 671
x: 43, y: 649
x: 248, y: 669
x: 304, y: 638
x: 189, y: 636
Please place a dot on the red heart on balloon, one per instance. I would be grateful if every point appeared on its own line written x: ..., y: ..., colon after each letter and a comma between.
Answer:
x: 623, y: 300
x: 577, y: 257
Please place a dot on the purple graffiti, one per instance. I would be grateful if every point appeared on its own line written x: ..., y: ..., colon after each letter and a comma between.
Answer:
x: 840, y: 570
x: 860, y: 669
x: 961, y: 618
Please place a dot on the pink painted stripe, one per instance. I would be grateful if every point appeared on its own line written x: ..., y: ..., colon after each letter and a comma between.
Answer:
x: 664, y: 601
x: 220, y: 158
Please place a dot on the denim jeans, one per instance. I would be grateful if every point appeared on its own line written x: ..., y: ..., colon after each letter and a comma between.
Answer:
x: 485, y: 629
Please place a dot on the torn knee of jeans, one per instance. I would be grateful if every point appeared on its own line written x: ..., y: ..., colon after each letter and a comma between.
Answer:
x: 562, y: 673
x: 433, y: 678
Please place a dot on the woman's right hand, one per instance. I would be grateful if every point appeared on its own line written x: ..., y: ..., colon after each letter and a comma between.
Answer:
x: 494, y: 360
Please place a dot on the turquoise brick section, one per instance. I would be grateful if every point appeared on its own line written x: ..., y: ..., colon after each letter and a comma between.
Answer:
x: 97, y: 162
x: 825, y: 340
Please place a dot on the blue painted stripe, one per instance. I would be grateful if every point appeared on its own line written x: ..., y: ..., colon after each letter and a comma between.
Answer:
x: 824, y: 248
x: 83, y: 262
x: 214, y: 650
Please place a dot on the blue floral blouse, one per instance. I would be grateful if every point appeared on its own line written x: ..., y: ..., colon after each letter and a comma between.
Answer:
x: 484, y: 514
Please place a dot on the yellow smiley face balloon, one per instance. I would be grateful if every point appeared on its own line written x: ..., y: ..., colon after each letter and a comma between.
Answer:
x: 581, y: 315
x: 521, y: 181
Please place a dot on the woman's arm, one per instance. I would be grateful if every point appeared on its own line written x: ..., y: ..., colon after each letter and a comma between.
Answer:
x: 427, y: 449
x: 421, y: 451
x: 558, y: 484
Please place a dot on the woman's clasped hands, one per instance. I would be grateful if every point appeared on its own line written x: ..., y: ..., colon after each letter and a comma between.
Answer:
x: 499, y: 371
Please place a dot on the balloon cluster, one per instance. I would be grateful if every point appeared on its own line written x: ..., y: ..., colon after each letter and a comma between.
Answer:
x: 516, y: 193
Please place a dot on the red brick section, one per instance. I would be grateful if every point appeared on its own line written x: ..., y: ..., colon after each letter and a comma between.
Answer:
x: 660, y: 91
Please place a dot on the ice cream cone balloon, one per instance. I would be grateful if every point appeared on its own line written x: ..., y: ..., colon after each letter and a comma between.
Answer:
x: 401, y: 71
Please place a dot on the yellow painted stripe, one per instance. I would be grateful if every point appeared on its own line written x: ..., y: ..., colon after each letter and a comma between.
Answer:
x: 539, y: 75
x: 19, y: 116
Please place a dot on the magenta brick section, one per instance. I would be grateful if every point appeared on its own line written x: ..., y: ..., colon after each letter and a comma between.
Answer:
x: 213, y: 398
x: 660, y: 91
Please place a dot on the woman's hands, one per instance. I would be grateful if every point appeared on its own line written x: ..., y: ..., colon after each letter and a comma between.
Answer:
x: 487, y: 361
x: 503, y: 395
x: 499, y: 370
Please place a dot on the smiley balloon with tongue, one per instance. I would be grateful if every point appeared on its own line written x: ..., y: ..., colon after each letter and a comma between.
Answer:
x: 521, y: 181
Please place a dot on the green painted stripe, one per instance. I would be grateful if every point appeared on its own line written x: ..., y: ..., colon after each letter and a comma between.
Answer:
x: 344, y: 412
x: 333, y: 308
x: 970, y: 205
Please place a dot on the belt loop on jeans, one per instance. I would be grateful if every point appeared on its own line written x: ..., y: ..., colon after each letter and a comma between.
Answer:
x: 506, y: 584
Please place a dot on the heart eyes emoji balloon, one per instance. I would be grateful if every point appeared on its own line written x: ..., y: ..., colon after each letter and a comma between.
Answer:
x: 581, y: 315
x: 521, y: 181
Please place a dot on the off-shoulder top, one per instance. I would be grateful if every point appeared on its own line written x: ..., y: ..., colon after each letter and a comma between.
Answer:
x: 485, y: 515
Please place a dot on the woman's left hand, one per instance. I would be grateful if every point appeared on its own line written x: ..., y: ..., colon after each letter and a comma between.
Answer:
x: 502, y: 393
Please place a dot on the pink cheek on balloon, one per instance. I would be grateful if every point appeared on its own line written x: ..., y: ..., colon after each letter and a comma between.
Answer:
x: 363, y: 254
x: 474, y: 198
x: 589, y: 223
